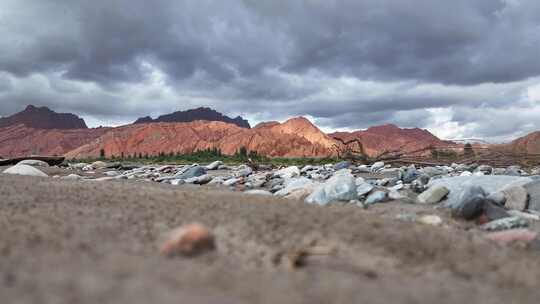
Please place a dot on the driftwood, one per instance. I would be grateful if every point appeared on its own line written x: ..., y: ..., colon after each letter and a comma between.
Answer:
x: 51, y: 160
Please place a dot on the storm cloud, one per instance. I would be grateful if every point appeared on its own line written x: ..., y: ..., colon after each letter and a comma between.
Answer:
x: 458, y: 68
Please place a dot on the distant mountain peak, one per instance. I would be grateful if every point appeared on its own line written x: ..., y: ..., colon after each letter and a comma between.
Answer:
x: 201, y: 113
x: 43, y: 118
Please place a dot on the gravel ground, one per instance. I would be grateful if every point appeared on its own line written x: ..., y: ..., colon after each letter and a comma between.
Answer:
x: 96, y: 242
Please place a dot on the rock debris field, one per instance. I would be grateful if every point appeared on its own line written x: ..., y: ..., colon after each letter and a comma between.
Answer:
x: 214, y: 233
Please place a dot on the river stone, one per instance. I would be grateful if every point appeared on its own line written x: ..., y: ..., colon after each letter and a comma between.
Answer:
x: 72, y: 177
x: 33, y: 163
x: 342, y: 165
x: 258, y: 192
x: 288, y: 172
x: 199, y: 180
x: 517, y: 198
x: 497, y: 197
x: 433, y: 195
x: 533, y: 189
x: 525, y: 215
x: 231, y: 182
x: 215, y: 165
x: 243, y: 171
x: 490, y: 183
x: 340, y: 187
x: 294, y: 184
x: 513, y: 171
x: 99, y: 164
x: 376, y: 197
x: 471, y: 203
x: 377, y: 166
x: 24, y: 170
x: 364, y: 189
x: 513, y: 235
x: 484, y: 169
x: 494, y: 212
x: 433, y: 171
x: 191, y: 172
x: 505, y: 224
x: 433, y: 220
x: 410, y: 175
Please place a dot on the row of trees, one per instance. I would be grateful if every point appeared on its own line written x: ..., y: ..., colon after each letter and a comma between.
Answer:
x: 243, y: 153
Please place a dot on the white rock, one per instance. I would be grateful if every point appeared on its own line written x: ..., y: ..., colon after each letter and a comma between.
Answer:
x: 433, y: 195
x: 33, y: 163
x: 258, y: 192
x: 377, y: 166
x: 364, y: 189
x: 395, y: 195
x: 231, y: 182
x: 490, y: 183
x: 430, y: 220
x: 99, y: 164
x: 72, y: 177
x: 294, y: 184
x: 215, y: 165
x: 340, y: 187
x: 78, y: 165
x: 288, y: 172
x: 24, y: 170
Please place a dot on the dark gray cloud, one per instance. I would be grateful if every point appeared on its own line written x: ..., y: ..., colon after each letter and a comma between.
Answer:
x: 346, y: 63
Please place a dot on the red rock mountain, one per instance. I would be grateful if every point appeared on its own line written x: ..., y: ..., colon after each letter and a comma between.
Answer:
x: 195, y: 114
x: 389, y: 137
x: 42, y: 131
x: 20, y: 140
x: 43, y: 118
x: 296, y: 137
x: 529, y: 143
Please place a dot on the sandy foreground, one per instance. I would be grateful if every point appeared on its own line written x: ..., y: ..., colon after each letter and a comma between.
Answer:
x: 96, y: 242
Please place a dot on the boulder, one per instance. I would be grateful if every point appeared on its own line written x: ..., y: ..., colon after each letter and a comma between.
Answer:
x: 378, y: 196
x: 377, y: 166
x: 470, y: 203
x: 516, y: 197
x: 433, y: 195
x: 533, y: 190
x: 191, y: 172
x: 215, y: 165
x: 33, y: 163
x: 364, y: 189
x: 490, y: 183
x: 294, y: 184
x: 505, y: 224
x: 340, y: 187
x: 24, y: 170
x: 288, y: 172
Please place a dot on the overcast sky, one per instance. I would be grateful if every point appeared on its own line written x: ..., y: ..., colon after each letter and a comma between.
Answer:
x: 461, y: 68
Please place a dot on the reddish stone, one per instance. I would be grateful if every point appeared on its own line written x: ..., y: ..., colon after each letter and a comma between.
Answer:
x: 188, y: 240
x: 513, y: 235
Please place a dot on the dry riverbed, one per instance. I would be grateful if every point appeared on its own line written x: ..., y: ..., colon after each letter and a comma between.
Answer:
x: 93, y: 242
